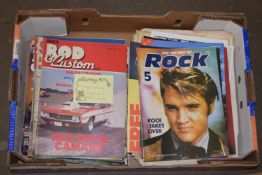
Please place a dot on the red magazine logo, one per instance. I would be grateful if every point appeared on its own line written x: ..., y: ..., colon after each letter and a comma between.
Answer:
x: 60, y: 57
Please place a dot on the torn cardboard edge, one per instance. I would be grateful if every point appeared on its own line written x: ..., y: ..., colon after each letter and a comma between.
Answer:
x: 89, y: 22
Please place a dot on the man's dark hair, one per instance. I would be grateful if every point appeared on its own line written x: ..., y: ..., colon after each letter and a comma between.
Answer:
x: 189, y: 80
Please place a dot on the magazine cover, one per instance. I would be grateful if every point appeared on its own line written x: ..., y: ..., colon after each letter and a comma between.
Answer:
x: 134, y: 117
x: 29, y: 92
x: 82, y: 100
x: 224, y: 76
x: 181, y: 104
x: 207, y: 37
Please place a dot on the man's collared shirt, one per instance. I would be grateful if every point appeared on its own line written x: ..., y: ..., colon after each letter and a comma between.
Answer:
x: 202, y: 143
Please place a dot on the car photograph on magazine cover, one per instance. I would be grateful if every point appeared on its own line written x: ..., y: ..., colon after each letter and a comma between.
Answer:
x: 74, y: 114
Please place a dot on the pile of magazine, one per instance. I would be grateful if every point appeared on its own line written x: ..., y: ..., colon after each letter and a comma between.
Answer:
x: 169, y: 97
x: 76, y: 98
x: 181, y: 97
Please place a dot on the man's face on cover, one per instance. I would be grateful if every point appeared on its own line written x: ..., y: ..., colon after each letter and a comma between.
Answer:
x: 187, y: 115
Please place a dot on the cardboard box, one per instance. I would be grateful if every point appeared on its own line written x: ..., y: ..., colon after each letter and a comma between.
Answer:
x: 90, y: 23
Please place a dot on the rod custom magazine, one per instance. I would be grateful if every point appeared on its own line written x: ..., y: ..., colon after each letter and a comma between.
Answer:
x: 81, y: 100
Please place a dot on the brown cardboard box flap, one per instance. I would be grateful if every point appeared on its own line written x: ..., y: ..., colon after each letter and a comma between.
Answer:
x: 249, y: 162
x: 92, y: 20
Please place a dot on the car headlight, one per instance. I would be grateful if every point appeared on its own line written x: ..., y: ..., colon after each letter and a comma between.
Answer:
x: 75, y: 119
x: 44, y: 114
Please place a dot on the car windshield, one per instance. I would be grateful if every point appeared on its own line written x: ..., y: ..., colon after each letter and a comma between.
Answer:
x: 94, y: 104
x: 87, y: 104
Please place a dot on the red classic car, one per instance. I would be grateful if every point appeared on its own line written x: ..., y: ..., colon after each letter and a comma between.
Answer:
x: 73, y: 114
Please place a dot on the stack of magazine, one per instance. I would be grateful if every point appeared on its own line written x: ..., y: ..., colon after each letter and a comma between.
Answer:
x: 167, y: 98
x: 76, y: 100
x: 181, y: 97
